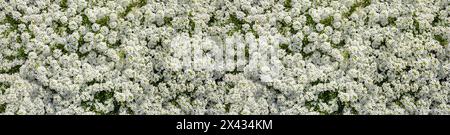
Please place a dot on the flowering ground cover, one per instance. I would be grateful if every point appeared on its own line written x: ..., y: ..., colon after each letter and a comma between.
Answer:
x: 224, y: 57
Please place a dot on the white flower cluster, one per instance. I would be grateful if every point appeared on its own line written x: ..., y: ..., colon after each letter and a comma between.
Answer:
x: 224, y: 57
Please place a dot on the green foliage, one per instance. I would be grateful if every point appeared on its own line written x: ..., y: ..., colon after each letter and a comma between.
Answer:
x: 117, y: 106
x: 285, y: 47
x: 121, y: 54
x: 80, y: 43
x: 13, y: 22
x: 288, y: 4
x: 60, y: 47
x: 305, y: 42
x: 255, y: 33
x: 353, y: 8
x: 130, y: 7
x: 3, y: 87
x: 102, y: 96
x: 127, y: 10
x: 247, y: 53
x: 227, y: 107
x: 93, y: 82
x: 234, y: 72
x: 86, y: 105
x: 168, y: 21
x: 212, y: 20
x: 327, y: 21
x: 103, y: 21
x: 64, y: 4
x: 237, y: 24
x: 391, y: 20
x: 416, y: 26
x: 436, y: 21
x: 442, y: 41
x: 85, y: 20
x: 345, y: 54
x: 2, y: 108
x: 12, y: 70
x: 114, y: 45
x: 327, y: 96
x: 309, y: 20
x: 21, y: 53
x: 191, y: 24
x: 339, y: 45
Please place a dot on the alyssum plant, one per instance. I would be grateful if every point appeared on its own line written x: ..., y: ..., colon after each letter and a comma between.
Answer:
x: 224, y: 57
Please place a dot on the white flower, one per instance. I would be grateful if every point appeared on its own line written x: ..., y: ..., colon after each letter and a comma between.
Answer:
x: 195, y: 58
x: 89, y: 37
x: 95, y: 27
